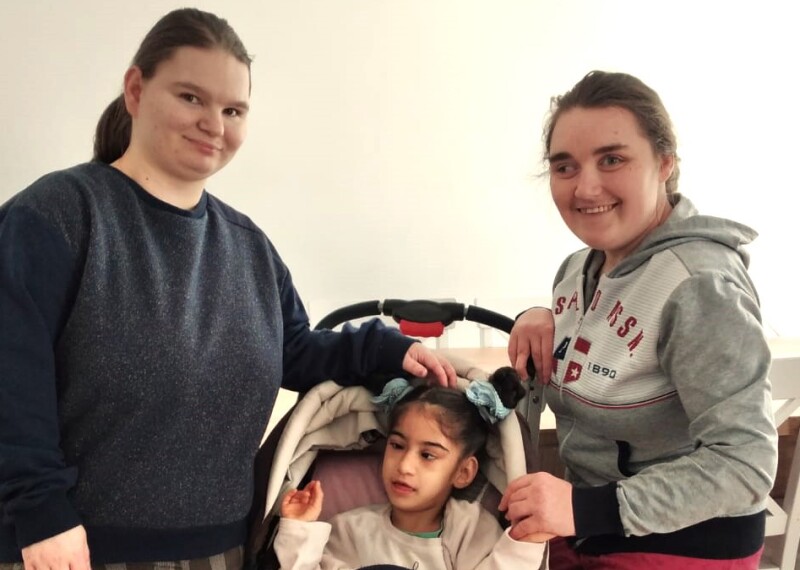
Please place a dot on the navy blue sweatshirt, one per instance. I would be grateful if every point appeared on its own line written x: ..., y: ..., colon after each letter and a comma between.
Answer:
x: 141, y: 351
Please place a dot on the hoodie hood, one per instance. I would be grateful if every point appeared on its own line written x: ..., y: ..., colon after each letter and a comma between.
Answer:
x: 684, y: 225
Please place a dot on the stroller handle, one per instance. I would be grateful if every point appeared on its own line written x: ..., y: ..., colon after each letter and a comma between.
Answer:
x: 418, y: 312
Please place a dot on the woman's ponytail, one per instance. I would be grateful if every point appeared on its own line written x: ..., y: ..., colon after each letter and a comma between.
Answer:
x: 113, y: 133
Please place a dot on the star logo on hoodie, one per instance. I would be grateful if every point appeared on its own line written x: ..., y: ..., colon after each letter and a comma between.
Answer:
x: 573, y: 371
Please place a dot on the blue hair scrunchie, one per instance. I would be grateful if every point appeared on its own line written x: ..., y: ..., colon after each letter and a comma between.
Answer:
x: 488, y: 402
x: 392, y: 392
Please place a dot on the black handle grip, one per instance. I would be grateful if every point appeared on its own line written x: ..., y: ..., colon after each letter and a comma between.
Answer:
x: 418, y: 311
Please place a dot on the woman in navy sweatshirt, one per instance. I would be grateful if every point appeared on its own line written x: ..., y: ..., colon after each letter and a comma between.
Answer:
x: 147, y: 327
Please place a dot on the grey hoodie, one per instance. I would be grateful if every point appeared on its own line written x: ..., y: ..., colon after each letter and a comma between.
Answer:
x: 660, y: 389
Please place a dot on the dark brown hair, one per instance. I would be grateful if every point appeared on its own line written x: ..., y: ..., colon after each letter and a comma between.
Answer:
x: 179, y: 28
x: 458, y: 418
x: 600, y: 89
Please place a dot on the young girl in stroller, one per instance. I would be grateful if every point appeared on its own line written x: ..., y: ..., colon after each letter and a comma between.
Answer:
x: 434, y: 440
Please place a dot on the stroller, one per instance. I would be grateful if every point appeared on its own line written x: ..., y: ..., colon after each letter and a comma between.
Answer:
x: 336, y: 435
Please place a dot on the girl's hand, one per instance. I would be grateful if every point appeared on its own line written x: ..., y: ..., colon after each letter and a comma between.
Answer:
x: 532, y: 337
x: 424, y: 363
x: 305, y: 505
x: 66, y: 550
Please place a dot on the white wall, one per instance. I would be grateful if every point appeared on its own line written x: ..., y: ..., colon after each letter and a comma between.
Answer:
x: 394, y: 144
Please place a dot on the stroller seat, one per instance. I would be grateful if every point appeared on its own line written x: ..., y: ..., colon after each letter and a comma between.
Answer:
x: 336, y: 435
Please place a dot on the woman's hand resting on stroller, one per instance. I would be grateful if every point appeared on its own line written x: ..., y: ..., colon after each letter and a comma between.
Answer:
x: 305, y: 505
x: 424, y: 363
x: 538, y: 504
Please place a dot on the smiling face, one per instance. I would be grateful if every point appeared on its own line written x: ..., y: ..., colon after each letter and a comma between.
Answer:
x: 421, y: 465
x: 189, y: 118
x: 606, y: 181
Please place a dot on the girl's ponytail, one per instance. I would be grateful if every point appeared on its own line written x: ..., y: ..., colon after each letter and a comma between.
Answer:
x: 508, y: 386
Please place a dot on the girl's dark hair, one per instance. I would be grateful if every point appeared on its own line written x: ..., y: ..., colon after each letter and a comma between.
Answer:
x: 600, y: 89
x: 186, y: 27
x: 458, y: 418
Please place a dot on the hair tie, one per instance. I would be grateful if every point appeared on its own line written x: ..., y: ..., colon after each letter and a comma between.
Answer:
x: 485, y: 397
x: 392, y: 392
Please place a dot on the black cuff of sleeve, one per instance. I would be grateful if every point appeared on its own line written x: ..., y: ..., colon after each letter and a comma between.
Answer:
x: 596, y: 511
x: 54, y: 515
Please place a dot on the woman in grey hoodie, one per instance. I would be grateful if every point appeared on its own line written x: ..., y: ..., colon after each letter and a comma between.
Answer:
x: 653, y: 354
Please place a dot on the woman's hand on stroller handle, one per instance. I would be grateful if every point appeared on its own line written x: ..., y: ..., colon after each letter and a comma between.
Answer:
x: 532, y: 338
x: 424, y: 363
